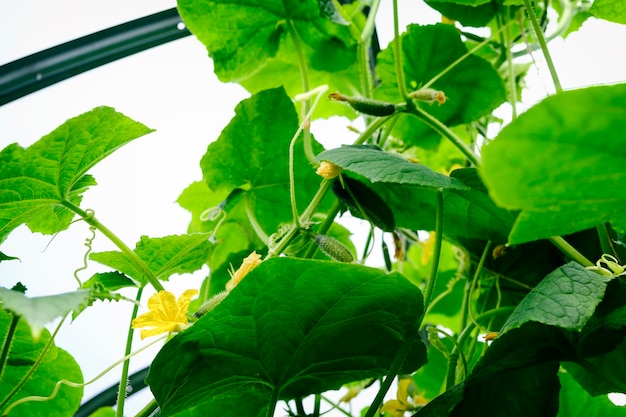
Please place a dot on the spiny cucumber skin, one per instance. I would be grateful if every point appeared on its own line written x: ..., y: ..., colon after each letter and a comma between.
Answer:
x: 372, y: 107
x: 333, y: 248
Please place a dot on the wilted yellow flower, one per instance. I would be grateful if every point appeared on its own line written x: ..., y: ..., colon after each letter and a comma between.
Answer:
x: 404, y: 402
x: 328, y: 170
x: 166, y: 314
x: 252, y: 261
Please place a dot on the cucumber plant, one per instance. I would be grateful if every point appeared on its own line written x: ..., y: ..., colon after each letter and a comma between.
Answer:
x: 502, y: 293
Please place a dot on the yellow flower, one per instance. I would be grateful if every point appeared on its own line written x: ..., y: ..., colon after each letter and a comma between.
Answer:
x: 608, y: 266
x: 403, y: 403
x: 252, y: 261
x: 328, y: 170
x: 166, y: 314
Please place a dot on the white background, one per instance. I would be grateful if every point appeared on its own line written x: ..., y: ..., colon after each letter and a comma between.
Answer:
x: 172, y: 88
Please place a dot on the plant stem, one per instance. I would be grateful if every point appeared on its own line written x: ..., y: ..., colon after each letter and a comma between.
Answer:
x: 304, y: 75
x: 121, y: 392
x: 397, y: 53
x: 430, y: 285
x: 605, y: 240
x: 8, y: 342
x: 272, y: 404
x: 33, y: 368
x: 90, y: 219
x: 148, y: 409
x: 544, y: 46
x: 373, y: 127
x: 446, y: 132
x: 509, y: 60
x: 479, y: 268
x: 393, y: 371
x: 570, y: 251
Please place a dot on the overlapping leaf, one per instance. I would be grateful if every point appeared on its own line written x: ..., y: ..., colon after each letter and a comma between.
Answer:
x: 164, y: 256
x: 473, y: 86
x: 291, y: 328
x: 34, y: 182
x: 252, y: 42
x: 252, y: 154
x: 562, y: 163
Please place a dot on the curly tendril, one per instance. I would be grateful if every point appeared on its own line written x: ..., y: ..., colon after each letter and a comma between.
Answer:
x: 88, y: 244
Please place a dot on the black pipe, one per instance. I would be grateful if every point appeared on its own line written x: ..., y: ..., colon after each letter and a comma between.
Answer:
x: 42, y: 69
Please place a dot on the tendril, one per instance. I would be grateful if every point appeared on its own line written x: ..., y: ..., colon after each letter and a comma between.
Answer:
x: 88, y: 244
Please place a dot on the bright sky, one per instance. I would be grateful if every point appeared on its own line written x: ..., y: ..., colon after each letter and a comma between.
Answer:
x: 172, y: 89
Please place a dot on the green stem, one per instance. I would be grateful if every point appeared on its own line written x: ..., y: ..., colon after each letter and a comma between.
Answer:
x: 304, y: 75
x: 393, y: 372
x: 605, y: 240
x: 479, y: 268
x: 148, y: 410
x: 335, y: 406
x: 317, y: 405
x: 272, y: 404
x: 373, y: 127
x: 570, y: 251
x: 446, y: 132
x: 89, y: 218
x: 509, y: 60
x: 397, y: 53
x: 8, y: 342
x: 121, y: 392
x: 430, y: 285
x: 33, y: 368
x: 544, y: 46
x: 323, y: 228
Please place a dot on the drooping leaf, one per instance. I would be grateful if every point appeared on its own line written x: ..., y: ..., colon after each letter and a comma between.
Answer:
x: 290, y: 328
x: 566, y: 298
x: 561, y: 163
x: 5, y: 257
x: 384, y: 167
x: 39, y: 311
x: 611, y: 10
x: 473, y: 87
x: 252, y: 154
x: 252, y: 42
x: 34, y: 182
x: 165, y: 256
x: 472, y: 13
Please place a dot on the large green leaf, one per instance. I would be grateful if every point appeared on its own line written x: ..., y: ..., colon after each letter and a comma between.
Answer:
x: 291, y: 328
x: 57, y: 364
x: 470, y: 13
x: 164, y: 256
x: 252, y: 42
x: 384, y: 167
x: 566, y: 298
x: 562, y: 163
x: 611, y: 10
x: 34, y: 182
x: 473, y: 87
x: 39, y: 311
x: 252, y: 153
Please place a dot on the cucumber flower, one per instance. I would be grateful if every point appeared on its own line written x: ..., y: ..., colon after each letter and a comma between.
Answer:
x: 328, y: 170
x: 404, y: 402
x: 166, y: 314
x: 252, y: 261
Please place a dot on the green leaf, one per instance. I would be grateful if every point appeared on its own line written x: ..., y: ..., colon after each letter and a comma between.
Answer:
x: 379, y: 166
x: 252, y: 153
x: 42, y: 383
x: 38, y: 311
x: 57, y: 364
x: 470, y: 13
x: 165, y: 256
x: 473, y: 87
x: 561, y: 163
x: 103, y: 412
x: 34, y: 182
x: 566, y: 298
x: 5, y: 257
x: 251, y: 43
x: 611, y: 10
x: 291, y: 328
x: 575, y: 401
x: 111, y: 281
